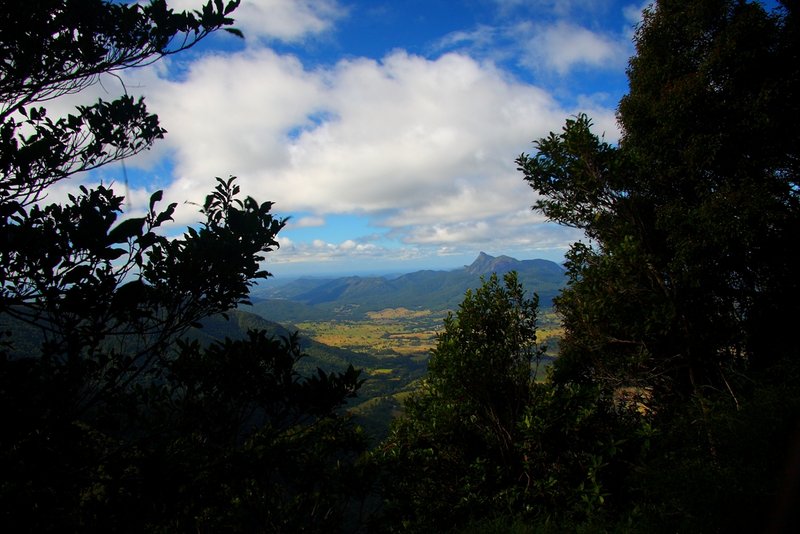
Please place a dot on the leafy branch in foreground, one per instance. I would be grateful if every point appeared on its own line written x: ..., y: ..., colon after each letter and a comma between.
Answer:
x: 53, y: 48
x: 111, y: 421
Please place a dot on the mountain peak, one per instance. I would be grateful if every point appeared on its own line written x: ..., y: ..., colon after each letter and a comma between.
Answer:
x: 486, y: 264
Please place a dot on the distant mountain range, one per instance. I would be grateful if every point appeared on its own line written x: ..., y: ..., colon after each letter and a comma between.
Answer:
x: 324, y: 298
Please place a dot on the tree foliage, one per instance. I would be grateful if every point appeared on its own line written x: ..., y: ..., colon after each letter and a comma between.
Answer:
x: 53, y: 48
x: 689, y: 231
x: 454, y: 452
x: 486, y: 357
x: 110, y: 421
x: 683, y: 296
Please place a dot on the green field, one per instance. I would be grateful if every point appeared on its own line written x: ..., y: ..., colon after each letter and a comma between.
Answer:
x: 393, y: 331
x: 403, y: 332
x: 396, y: 343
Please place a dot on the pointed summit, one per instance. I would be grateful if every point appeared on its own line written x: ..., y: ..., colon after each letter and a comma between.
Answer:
x: 486, y: 264
x: 481, y: 263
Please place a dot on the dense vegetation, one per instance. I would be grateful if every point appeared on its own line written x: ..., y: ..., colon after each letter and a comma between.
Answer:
x: 674, y: 405
x: 392, y: 345
x: 111, y: 421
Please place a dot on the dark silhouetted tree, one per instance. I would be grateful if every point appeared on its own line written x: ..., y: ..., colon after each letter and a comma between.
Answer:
x: 684, y: 293
x: 110, y: 421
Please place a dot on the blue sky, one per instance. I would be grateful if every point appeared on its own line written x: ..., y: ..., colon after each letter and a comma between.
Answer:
x: 386, y: 130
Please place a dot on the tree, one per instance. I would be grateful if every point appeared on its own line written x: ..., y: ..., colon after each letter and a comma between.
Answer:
x: 484, y: 358
x: 728, y: 203
x: 453, y: 455
x: 683, y: 294
x: 110, y: 421
x: 56, y: 47
x: 692, y: 226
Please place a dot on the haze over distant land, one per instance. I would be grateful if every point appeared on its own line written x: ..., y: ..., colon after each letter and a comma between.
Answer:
x: 282, y: 271
x: 424, y: 289
x: 387, y: 131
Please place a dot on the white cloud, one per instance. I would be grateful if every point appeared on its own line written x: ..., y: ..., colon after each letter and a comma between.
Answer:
x: 411, y: 132
x: 633, y: 12
x: 558, y: 8
x: 319, y: 250
x: 425, y: 147
x: 555, y: 40
x: 443, y: 234
x: 564, y: 46
x: 285, y: 20
x: 481, y: 37
x: 306, y: 222
x: 233, y: 111
x: 406, y: 133
x: 521, y: 230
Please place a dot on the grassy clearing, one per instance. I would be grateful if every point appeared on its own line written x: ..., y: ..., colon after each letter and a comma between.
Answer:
x: 400, y: 340
x: 380, y: 372
x: 400, y: 331
x: 398, y: 313
x: 403, y: 333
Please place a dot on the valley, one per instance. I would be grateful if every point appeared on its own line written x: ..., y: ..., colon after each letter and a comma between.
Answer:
x: 393, y: 331
x: 400, y: 332
x: 387, y: 326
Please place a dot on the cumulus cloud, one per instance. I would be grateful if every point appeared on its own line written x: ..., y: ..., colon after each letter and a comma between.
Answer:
x: 285, y: 20
x: 521, y: 230
x: 633, y: 12
x: 319, y: 250
x: 424, y: 147
x: 552, y: 37
x: 562, y: 9
x: 231, y: 112
x: 633, y: 16
x: 480, y: 38
x: 564, y: 46
x: 411, y: 132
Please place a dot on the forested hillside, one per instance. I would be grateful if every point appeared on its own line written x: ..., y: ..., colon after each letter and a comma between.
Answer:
x: 437, y: 291
x: 387, y: 378
x: 130, y: 403
x: 390, y: 342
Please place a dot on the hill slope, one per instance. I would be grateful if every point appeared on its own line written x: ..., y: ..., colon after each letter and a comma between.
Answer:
x: 353, y: 296
x: 386, y: 377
